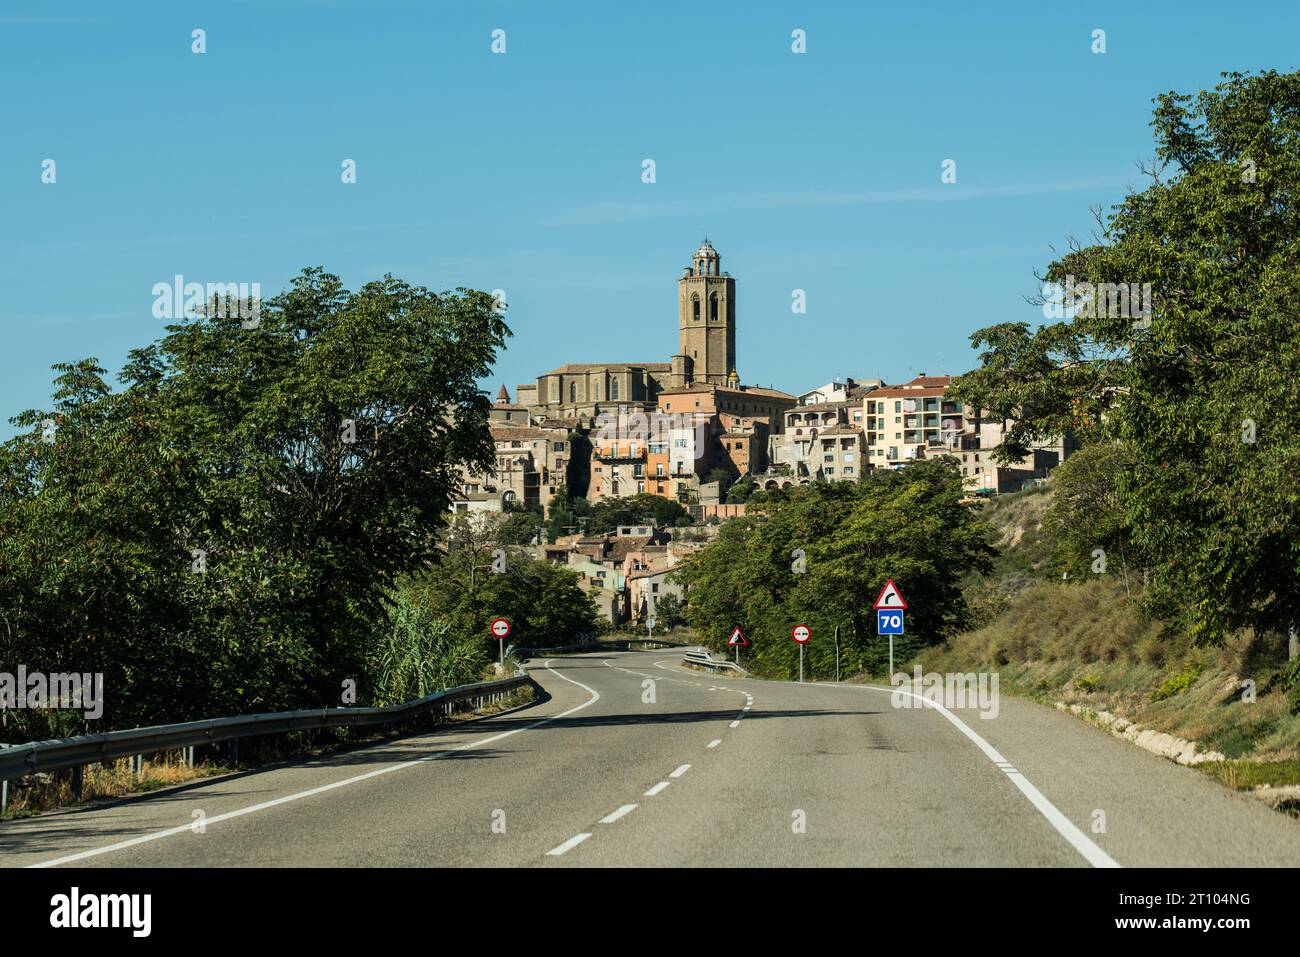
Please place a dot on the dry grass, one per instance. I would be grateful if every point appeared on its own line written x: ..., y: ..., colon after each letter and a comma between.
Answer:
x: 45, y: 792
x: 1089, y: 644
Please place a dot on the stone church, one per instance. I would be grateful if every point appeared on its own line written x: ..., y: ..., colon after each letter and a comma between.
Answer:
x: 706, y: 319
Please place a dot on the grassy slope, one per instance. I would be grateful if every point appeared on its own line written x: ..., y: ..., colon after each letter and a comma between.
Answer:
x: 1088, y: 643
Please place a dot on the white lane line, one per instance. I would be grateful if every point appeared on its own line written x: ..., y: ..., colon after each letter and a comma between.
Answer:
x: 714, y: 743
x: 746, y: 708
x: 570, y: 844
x: 656, y: 789
x: 217, y: 819
x: 680, y: 771
x: 1064, y: 826
x: 613, y: 816
x: 733, y: 724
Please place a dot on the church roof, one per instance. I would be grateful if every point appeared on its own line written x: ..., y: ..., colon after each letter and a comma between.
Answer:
x: 503, y: 395
x: 588, y: 366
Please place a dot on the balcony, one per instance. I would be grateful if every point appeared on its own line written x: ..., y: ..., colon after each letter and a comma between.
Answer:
x: 621, y: 454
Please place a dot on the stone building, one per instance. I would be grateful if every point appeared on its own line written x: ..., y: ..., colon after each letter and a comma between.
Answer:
x: 706, y: 357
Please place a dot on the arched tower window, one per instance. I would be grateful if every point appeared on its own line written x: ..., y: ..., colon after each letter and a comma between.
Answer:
x: 695, y: 308
x: 573, y: 392
x: 713, y: 308
x: 613, y: 389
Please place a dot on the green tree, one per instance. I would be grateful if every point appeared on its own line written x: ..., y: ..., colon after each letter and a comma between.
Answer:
x: 1203, y: 390
x: 223, y: 533
x: 472, y: 585
x: 740, y: 492
x: 566, y: 515
x: 1086, y: 517
x: 607, y: 514
x: 818, y: 555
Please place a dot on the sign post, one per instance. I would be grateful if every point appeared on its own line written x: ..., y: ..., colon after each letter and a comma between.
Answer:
x: 736, y: 640
x: 890, y: 606
x: 837, y: 654
x: 501, y: 629
x: 800, y: 634
x: 650, y: 625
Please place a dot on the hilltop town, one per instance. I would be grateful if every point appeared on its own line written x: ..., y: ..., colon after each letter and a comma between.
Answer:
x: 689, y: 431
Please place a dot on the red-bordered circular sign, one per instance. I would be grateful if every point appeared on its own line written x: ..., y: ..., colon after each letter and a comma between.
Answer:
x: 801, y: 634
x: 500, y: 628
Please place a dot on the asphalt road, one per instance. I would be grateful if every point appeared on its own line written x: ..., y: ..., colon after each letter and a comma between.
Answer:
x: 715, y: 771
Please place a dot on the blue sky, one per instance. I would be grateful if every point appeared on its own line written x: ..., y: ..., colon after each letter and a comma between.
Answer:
x: 522, y: 171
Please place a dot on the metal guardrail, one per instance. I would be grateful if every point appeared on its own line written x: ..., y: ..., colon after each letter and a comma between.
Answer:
x: 702, y: 659
x: 622, y: 644
x: 19, y: 759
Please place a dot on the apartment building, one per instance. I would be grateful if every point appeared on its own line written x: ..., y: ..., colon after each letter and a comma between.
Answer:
x: 531, y: 465
x: 904, y: 422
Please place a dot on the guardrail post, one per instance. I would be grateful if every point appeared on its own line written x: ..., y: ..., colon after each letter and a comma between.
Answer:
x: 4, y: 796
x: 137, y: 765
x: 232, y: 751
x: 76, y: 782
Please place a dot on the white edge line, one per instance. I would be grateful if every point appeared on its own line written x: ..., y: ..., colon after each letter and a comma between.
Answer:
x: 217, y: 819
x: 568, y: 845
x: 1064, y: 826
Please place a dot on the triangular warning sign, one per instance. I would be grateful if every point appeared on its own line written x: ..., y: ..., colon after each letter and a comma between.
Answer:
x: 890, y: 597
x: 737, y: 638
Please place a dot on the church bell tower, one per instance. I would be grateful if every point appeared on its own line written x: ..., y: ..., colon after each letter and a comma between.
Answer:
x: 706, y: 307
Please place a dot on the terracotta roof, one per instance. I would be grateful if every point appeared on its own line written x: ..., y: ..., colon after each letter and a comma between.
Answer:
x: 898, y: 392
x: 730, y: 390
x: 503, y: 395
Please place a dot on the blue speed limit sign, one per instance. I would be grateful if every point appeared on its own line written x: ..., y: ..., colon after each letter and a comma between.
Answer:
x: 889, y: 621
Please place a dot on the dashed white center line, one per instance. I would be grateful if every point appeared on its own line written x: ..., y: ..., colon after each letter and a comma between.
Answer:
x: 680, y: 771
x: 568, y: 845
x: 613, y: 816
x: 657, y: 788
x: 714, y: 743
x: 733, y: 724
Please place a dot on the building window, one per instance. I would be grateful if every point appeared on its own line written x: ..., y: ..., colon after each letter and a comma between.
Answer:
x: 573, y: 392
x: 613, y: 389
x: 559, y: 446
x: 595, y: 392
x: 713, y: 308
x: 695, y: 308
x: 654, y: 589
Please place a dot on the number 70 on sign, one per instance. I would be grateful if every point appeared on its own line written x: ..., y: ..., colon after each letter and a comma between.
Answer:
x: 889, y: 621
